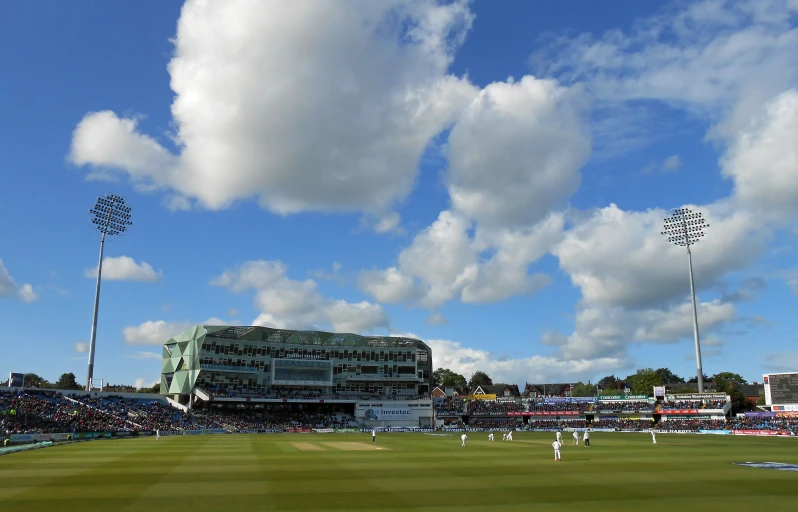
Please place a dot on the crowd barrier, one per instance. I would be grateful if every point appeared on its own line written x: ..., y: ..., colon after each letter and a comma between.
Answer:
x: 78, y: 436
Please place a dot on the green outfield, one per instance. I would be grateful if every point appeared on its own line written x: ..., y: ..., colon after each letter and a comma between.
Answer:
x: 400, y: 472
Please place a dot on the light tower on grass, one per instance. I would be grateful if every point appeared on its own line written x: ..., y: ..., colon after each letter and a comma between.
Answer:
x: 685, y: 228
x: 110, y: 217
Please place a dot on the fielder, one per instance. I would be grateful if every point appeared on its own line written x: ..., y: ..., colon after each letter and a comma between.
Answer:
x: 464, y: 438
x: 504, y: 436
x: 576, y: 438
x: 586, y: 437
x: 157, y: 434
x: 510, y: 435
x: 559, y: 437
x: 654, y: 436
x: 556, y: 445
x: 490, y: 437
x: 374, y: 436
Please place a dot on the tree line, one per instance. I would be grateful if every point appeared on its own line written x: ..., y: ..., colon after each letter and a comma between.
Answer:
x: 68, y: 381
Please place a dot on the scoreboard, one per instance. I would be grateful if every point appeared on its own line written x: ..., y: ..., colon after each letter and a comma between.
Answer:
x: 781, y: 389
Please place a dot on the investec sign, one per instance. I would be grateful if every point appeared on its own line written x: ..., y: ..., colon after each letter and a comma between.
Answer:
x: 376, y: 411
x: 394, y: 413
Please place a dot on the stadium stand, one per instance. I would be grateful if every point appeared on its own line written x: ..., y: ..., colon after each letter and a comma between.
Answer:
x: 493, y: 408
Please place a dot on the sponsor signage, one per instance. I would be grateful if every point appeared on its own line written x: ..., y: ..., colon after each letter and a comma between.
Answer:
x: 345, y: 430
x: 570, y: 400
x: 610, y: 398
x: 716, y: 432
x: 659, y: 391
x: 698, y: 396
x: 791, y: 407
x: 760, y: 414
x: 482, y: 397
x: 761, y: 432
x: 545, y: 413
x: 399, y: 429
x: 21, y: 438
x: 299, y: 430
x: 387, y: 413
x: 679, y: 411
x: 323, y: 430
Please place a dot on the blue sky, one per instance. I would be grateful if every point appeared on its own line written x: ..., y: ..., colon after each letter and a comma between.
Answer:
x: 490, y: 177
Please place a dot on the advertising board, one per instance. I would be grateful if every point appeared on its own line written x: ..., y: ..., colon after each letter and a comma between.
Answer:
x: 610, y: 398
x: 768, y: 433
x: 387, y: 413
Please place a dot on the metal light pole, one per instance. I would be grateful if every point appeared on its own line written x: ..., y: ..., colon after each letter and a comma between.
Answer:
x: 110, y: 217
x: 685, y: 228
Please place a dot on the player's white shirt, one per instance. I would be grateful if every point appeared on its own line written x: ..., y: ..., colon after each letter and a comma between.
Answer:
x: 490, y: 437
x: 576, y: 435
x: 509, y: 436
x: 559, y: 436
x: 556, y: 445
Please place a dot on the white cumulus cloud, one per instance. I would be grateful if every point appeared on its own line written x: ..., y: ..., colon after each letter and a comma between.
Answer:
x: 516, y: 151
x: 763, y: 160
x: 125, y: 268
x: 9, y: 288
x: 290, y: 304
x: 155, y: 332
x: 464, y: 360
x: 304, y: 105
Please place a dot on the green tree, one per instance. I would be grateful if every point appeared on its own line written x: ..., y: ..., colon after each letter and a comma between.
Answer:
x: 695, y: 379
x: 154, y: 389
x: 582, y: 389
x: 761, y: 399
x: 610, y: 382
x: 728, y: 377
x: 67, y: 381
x: 445, y: 377
x: 728, y: 382
x: 643, y: 381
x: 479, y: 378
x: 668, y: 377
x: 31, y: 379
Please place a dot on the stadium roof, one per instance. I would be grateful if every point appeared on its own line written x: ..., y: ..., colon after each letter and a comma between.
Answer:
x: 267, y: 334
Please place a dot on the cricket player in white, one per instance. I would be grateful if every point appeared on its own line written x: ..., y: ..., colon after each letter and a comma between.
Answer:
x: 157, y: 434
x: 556, y: 445
x: 576, y: 438
x: 586, y: 438
x: 559, y: 437
x: 490, y: 437
x: 374, y: 436
x: 504, y: 436
x: 510, y: 436
x: 464, y: 438
x: 654, y: 436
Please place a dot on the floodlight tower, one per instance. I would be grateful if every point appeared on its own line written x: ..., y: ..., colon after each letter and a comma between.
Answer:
x: 110, y: 217
x: 685, y: 228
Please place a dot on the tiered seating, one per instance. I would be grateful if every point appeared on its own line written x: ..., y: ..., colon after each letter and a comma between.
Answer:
x: 493, y: 408
x: 559, y: 406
